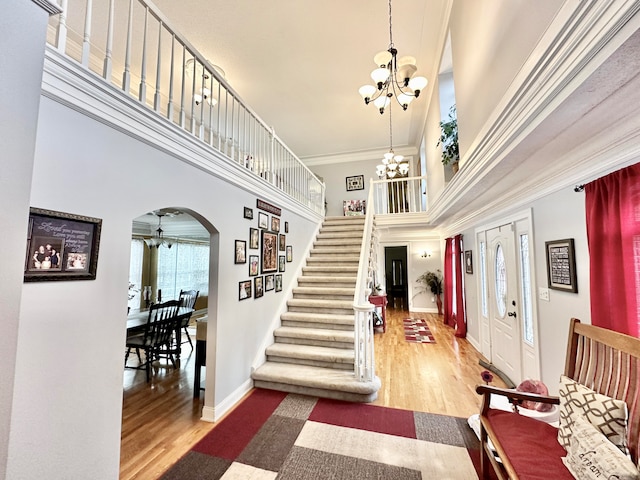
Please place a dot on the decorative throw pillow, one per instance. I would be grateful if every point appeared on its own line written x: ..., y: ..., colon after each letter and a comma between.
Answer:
x: 608, y: 415
x: 591, y: 456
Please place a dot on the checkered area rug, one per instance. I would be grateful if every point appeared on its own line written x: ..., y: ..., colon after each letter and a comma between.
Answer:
x: 417, y: 331
x: 295, y: 437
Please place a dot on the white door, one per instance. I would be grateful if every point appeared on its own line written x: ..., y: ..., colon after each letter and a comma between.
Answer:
x: 503, y: 297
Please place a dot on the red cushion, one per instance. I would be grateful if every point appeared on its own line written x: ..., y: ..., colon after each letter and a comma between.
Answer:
x: 530, y: 445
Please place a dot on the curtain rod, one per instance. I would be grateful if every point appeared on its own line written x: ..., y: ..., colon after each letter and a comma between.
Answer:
x: 578, y: 188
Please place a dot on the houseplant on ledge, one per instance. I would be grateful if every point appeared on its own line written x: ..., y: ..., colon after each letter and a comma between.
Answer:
x: 449, y: 140
x: 431, y: 282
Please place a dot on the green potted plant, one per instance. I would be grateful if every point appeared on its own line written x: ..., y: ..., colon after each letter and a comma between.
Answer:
x: 449, y: 140
x: 431, y: 282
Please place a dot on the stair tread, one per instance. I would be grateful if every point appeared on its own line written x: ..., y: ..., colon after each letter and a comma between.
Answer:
x: 312, y: 302
x: 325, y: 290
x: 311, y: 352
x: 315, y: 377
x: 315, y: 333
x: 327, y: 278
x: 318, y: 317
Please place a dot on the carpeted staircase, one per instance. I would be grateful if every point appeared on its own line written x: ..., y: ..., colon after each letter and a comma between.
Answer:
x: 313, y: 353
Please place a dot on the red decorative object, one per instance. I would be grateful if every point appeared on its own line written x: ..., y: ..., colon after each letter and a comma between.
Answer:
x: 381, y: 301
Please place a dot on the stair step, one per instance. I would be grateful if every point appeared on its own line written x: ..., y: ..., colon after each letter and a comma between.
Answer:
x: 326, y: 281
x: 326, y: 357
x: 327, y: 259
x: 324, y: 293
x: 318, y: 320
x: 315, y: 381
x: 326, y: 270
x: 341, y: 307
x: 337, y: 242
x: 316, y: 336
x: 351, y: 220
x: 335, y: 251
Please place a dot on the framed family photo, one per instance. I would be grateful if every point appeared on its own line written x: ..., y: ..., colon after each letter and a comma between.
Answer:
x: 269, y: 252
x: 254, y: 260
x: 61, y: 246
x: 279, y: 282
x: 259, y: 287
x: 275, y: 224
x: 241, y: 251
x: 248, y: 213
x: 263, y: 220
x: 244, y: 290
x: 254, y: 238
x: 289, y: 253
x: 281, y: 263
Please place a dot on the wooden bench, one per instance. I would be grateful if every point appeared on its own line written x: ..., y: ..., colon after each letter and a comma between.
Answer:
x: 600, y: 359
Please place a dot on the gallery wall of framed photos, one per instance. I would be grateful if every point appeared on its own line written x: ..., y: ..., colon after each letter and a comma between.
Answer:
x: 265, y: 250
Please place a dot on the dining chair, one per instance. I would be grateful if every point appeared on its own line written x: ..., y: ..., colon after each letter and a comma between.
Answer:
x: 187, y: 300
x: 156, y: 339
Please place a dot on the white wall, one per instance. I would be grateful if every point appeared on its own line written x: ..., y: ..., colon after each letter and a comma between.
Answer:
x: 22, y: 37
x: 335, y: 175
x: 68, y: 387
x: 486, y: 58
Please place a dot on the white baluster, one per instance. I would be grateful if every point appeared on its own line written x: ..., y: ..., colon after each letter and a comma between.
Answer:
x: 171, y: 70
x: 184, y: 82
x: 61, y: 41
x: 143, y: 68
x: 156, y: 97
x: 107, y: 69
x: 126, y: 76
x: 86, y: 41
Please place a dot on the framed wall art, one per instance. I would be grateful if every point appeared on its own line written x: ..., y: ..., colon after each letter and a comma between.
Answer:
x: 263, y: 220
x: 275, y: 224
x: 283, y: 242
x: 269, y: 252
x: 289, y: 253
x: 561, y: 265
x: 281, y: 263
x: 286, y: 227
x: 268, y: 283
x: 254, y: 260
x: 279, y: 282
x: 244, y: 290
x: 468, y: 262
x: 61, y: 246
x: 254, y: 238
x: 354, y: 207
x: 259, y: 287
x: 355, y: 183
x: 241, y: 251
x: 248, y: 213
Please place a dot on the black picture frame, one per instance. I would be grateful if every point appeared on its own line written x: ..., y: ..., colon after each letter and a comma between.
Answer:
x: 281, y: 263
x: 248, y: 213
x: 254, y: 262
x: 561, y: 265
x: 254, y: 238
x: 269, y: 283
x: 269, y: 252
x: 275, y: 224
x: 61, y: 246
x: 278, y: 282
x: 468, y: 262
x: 240, y: 252
x: 289, y: 253
x: 286, y: 227
x: 263, y: 220
x: 282, y: 242
x: 258, y: 284
x: 244, y: 290
x: 355, y: 182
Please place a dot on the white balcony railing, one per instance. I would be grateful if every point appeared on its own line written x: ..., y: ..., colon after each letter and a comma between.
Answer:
x: 399, y: 195
x: 131, y: 45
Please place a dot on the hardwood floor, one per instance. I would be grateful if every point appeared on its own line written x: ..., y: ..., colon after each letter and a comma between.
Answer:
x: 161, y: 420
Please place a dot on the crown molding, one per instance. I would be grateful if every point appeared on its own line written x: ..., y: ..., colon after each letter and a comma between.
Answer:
x: 360, y: 156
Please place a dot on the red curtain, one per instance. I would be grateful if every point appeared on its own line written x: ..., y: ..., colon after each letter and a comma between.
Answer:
x: 454, y: 311
x: 448, y: 283
x: 613, y: 234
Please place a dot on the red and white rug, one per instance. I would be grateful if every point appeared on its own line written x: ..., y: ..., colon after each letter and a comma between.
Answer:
x: 417, y: 331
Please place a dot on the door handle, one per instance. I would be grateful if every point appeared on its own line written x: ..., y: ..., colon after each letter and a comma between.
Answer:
x: 512, y: 314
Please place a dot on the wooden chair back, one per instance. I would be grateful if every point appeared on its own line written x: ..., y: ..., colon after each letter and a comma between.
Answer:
x: 609, y: 363
x: 161, y: 323
x: 188, y: 298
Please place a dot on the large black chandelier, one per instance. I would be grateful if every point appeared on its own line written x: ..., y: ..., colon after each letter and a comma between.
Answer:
x: 394, y: 77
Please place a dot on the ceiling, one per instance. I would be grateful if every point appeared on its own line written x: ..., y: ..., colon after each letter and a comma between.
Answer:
x: 299, y: 65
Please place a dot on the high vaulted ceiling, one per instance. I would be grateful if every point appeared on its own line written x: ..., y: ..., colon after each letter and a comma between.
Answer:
x: 299, y: 64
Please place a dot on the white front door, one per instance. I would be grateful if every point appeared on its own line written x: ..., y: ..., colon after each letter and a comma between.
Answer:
x: 503, y: 297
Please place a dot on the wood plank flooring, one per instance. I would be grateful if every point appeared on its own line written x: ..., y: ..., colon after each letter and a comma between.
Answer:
x: 161, y: 420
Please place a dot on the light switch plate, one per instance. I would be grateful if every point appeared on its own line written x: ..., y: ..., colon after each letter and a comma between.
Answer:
x: 543, y: 293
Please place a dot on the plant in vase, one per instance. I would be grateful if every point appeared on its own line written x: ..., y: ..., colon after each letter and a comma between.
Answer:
x: 431, y: 282
x: 449, y: 140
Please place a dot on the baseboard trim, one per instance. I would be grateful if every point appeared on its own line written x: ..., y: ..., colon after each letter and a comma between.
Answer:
x: 213, y: 414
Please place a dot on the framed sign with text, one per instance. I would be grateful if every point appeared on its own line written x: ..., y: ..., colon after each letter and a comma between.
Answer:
x: 561, y: 265
x: 61, y: 246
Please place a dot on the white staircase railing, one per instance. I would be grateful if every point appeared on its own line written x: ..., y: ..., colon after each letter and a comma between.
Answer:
x: 400, y: 195
x: 132, y: 46
x: 363, y: 309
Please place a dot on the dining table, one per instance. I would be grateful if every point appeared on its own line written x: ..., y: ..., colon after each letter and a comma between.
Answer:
x: 137, y: 320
